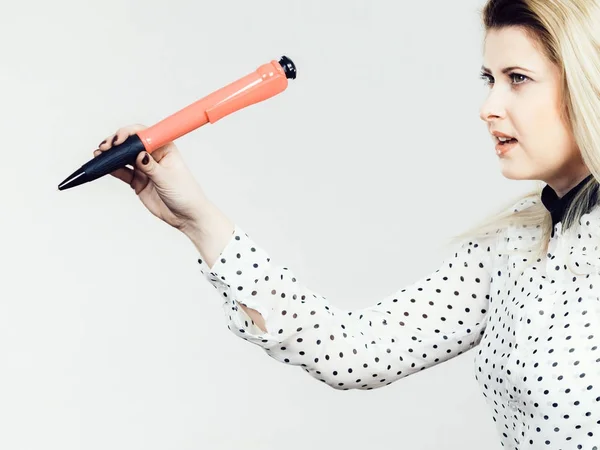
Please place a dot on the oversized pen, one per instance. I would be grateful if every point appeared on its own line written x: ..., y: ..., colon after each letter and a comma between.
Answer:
x: 268, y: 80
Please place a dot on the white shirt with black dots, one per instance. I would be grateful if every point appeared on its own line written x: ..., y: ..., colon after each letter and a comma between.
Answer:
x: 536, y: 328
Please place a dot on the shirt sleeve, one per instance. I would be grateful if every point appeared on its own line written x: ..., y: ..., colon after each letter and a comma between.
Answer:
x: 430, y: 321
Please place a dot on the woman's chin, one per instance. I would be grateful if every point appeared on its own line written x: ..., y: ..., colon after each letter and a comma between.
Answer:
x: 511, y: 172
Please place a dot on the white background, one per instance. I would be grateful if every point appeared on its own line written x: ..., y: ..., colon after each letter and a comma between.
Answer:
x: 355, y: 177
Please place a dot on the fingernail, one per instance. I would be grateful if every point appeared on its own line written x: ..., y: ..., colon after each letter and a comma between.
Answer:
x: 146, y: 159
x: 102, y: 143
x: 114, y: 140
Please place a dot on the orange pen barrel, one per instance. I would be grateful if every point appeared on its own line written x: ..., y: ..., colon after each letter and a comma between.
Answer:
x: 268, y: 80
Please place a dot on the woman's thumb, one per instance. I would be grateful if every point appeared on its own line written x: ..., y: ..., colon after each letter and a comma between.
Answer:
x: 146, y: 163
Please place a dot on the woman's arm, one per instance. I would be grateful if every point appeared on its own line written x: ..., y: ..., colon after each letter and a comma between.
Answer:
x: 430, y: 321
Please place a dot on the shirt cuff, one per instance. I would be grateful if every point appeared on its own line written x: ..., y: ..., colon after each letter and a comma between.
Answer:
x: 235, y: 274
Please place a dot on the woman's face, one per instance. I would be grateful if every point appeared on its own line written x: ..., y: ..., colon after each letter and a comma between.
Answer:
x: 523, y: 102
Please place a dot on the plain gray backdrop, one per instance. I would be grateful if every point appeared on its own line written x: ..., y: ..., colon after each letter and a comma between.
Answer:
x: 355, y: 177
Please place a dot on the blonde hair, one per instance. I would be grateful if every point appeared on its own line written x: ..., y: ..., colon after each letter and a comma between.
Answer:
x: 568, y: 34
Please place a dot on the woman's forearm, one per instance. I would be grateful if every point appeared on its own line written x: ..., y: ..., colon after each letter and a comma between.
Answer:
x: 210, y: 232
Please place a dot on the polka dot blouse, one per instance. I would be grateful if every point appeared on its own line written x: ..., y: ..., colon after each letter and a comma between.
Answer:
x: 535, y: 328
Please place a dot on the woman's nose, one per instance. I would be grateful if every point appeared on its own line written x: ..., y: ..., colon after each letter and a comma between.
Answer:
x: 491, y: 109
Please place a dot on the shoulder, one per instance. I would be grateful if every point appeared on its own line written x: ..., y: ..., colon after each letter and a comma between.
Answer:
x: 525, y: 203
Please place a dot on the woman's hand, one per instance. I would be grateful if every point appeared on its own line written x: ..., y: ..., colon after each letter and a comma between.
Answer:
x: 162, y: 182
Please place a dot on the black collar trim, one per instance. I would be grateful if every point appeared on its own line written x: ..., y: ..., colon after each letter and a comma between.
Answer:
x: 557, y: 206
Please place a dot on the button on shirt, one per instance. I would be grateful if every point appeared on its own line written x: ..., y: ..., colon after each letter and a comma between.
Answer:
x: 535, y: 326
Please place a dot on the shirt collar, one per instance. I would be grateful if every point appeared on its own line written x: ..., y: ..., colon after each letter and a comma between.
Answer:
x: 557, y: 206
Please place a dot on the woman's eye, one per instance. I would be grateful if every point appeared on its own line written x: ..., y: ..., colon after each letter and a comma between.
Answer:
x: 515, y: 75
x: 517, y: 78
x: 486, y: 78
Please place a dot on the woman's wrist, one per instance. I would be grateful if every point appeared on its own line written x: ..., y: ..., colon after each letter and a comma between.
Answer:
x: 210, y: 232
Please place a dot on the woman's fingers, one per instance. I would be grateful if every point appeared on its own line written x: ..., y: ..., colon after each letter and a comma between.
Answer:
x: 120, y: 135
x: 124, y: 173
x: 135, y: 178
x: 124, y: 132
x: 139, y: 182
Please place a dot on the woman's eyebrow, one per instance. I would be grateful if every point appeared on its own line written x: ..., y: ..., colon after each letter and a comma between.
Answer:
x: 506, y: 69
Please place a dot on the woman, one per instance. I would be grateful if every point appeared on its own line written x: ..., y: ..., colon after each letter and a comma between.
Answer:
x: 523, y: 286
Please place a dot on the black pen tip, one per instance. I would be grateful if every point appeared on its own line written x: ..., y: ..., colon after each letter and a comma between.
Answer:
x: 75, y: 179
